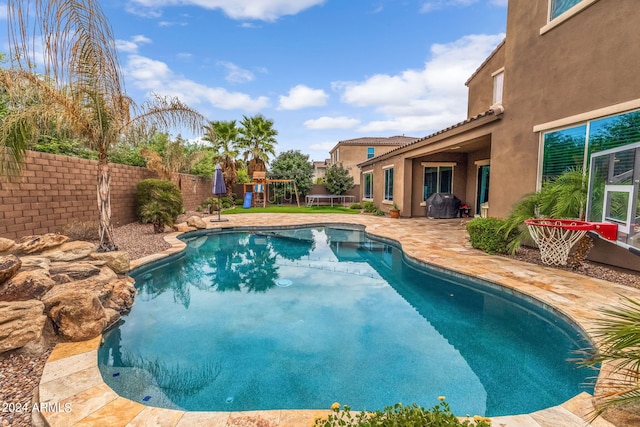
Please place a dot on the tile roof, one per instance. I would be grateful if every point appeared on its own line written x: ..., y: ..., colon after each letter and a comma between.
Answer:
x: 495, y: 111
x: 376, y: 140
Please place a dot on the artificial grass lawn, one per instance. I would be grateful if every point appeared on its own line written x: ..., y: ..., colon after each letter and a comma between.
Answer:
x: 292, y: 209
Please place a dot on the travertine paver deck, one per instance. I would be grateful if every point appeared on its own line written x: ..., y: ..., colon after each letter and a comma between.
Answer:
x: 73, y: 390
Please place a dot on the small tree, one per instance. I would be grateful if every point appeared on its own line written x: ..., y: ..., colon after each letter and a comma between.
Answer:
x: 293, y: 165
x: 337, y: 179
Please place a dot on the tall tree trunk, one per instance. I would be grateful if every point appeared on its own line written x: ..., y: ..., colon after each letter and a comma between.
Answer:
x: 105, y: 228
x: 255, y: 165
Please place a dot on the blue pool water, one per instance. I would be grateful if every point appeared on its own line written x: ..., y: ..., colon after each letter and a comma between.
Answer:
x: 300, y: 318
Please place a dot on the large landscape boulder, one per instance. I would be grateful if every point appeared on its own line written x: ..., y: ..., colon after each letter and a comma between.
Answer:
x: 82, y: 309
x: 20, y: 323
x: 196, y: 221
x: 82, y: 292
x: 69, y: 251
x: 26, y: 285
x: 118, y: 261
x: 9, y: 266
x: 7, y: 246
x: 31, y: 244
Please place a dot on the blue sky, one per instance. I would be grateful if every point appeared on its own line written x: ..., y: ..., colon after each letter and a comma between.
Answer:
x: 323, y: 70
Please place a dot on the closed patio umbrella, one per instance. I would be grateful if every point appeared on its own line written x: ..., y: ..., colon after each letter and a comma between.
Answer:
x: 218, y: 189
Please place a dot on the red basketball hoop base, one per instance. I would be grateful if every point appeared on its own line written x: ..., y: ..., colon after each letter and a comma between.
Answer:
x: 556, y: 237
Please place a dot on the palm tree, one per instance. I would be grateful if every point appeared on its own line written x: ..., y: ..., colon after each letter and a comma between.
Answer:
x: 258, y: 142
x: 80, y: 89
x: 223, y: 136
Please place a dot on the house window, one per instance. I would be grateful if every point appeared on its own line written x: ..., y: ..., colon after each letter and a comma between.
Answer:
x: 558, y: 7
x: 498, y: 83
x: 370, y: 152
x: 438, y: 178
x: 571, y: 147
x: 388, y: 184
x: 367, y: 187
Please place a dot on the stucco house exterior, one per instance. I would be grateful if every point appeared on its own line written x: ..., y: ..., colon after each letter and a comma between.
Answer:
x: 350, y: 152
x: 562, y: 86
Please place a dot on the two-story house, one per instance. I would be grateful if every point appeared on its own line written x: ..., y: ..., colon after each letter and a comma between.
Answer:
x: 562, y: 86
x: 350, y: 152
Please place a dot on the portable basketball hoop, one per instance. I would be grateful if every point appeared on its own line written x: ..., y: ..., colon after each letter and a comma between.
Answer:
x: 556, y: 237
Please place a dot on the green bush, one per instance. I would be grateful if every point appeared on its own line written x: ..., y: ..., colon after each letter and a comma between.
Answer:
x: 485, y: 234
x: 355, y: 206
x: 399, y: 415
x: 369, y: 207
x: 158, y: 202
x: 378, y: 212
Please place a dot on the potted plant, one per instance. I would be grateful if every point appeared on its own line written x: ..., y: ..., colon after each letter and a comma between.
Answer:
x: 394, y: 211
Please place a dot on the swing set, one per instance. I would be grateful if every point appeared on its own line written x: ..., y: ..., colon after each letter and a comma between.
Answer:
x: 276, y: 191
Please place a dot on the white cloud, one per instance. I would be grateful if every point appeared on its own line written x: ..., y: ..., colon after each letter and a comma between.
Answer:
x: 236, y: 74
x: 422, y: 99
x: 263, y: 10
x: 155, y: 76
x: 132, y: 45
x: 3, y: 12
x: 323, y: 146
x: 302, y: 96
x: 332, y: 123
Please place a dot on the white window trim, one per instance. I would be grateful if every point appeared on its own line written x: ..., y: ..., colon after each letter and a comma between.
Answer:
x: 369, y: 172
x: 566, y: 15
x: 494, y: 76
x: 484, y: 162
x: 438, y: 165
x: 590, y: 115
x: 384, y: 186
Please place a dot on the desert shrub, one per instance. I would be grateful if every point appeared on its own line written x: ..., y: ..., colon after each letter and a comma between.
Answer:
x: 368, y: 207
x: 485, y: 234
x: 81, y: 230
x: 356, y: 206
x: 158, y: 202
x: 378, y: 212
x: 398, y: 415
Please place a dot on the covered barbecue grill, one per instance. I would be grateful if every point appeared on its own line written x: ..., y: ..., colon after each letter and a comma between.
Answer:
x: 443, y: 205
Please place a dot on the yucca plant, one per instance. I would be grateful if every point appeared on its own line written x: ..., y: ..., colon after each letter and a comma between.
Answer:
x: 618, y: 337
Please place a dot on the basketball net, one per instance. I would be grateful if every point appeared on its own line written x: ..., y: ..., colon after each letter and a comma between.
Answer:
x: 554, y: 241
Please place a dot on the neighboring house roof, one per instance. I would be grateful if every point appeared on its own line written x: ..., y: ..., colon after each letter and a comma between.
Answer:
x: 373, y: 140
x: 495, y: 113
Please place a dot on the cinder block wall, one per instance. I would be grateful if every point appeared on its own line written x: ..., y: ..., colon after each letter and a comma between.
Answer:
x: 54, y: 191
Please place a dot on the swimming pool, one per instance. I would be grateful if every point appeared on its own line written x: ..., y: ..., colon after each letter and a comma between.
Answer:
x: 299, y: 318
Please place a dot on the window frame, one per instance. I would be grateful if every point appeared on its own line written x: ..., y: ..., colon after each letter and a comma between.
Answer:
x: 437, y: 165
x: 553, y: 22
x: 387, y: 194
x: 498, y: 86
x: 364, y: 185
x: 371, y: 152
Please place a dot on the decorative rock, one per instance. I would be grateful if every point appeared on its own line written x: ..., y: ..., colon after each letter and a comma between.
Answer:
x: 76, y: 271
x: 70, y: 251
x: 197, y: 222
x: 118, y: 261
x: 82, y: 309
x: 35, y: 263
x: 183, y: 227
x: 9, y: 266
x: 77, y: 318
x: 7, y: 245
x: 122, y: 294
x: 20, y: 323
x: 31, y: 244
x: 26, y: 285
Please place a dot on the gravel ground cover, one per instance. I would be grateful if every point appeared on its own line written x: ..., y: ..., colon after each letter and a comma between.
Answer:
x: 20, y: 371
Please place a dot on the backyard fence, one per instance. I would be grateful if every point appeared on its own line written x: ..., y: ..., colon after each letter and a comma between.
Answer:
x: 54, y: 191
